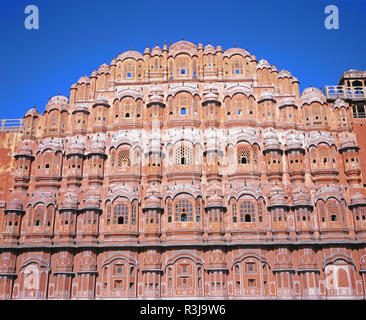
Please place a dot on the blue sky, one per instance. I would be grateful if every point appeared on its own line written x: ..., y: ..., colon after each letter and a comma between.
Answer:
x: 76, y: 36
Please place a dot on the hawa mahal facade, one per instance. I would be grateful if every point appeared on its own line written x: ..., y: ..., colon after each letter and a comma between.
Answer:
x: 187, y: 171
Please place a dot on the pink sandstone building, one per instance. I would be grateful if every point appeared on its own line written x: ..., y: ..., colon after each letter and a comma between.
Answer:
x: 187, y: 171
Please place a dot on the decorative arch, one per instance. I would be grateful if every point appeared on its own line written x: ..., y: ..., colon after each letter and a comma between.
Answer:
x: 184, y: 254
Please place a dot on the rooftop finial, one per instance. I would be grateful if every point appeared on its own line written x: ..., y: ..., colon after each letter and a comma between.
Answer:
x: 234, y: 45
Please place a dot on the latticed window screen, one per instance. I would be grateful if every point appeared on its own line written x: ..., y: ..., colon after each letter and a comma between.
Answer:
x: 243, y: 156
x: 169, y: 212
x: 237, y: 66
x: 124, y: 158
x: 321, y: 210
x: 170, y: 155
x: 63, y: 122
x: 255, y: 155
x: 307, y: 114
x: 324, y: 156
x: 183, y: 211
x: 316, y: 113
x: 49, y: 216
x: 228, y: 107
x: 197, y: 155
x: 127, y: 107
x: 198, y: 211
x: 113, y: 158
x: 231, y: 156
x: 182, y: 67
x: 260, y: 211
x: 211, y: 157
x: 120, y: 214
x: 54, y: 121
x: 133, y: 214
x: 109, y: 211
x: 238, y: 107
x: 47, y: 160
x: 129, y: 70
x: 251, y: 108
x: 183, y: 104
x: 136, y: 158
x: 170, y: 68
x: 194, y: 67
x: 183, y: 156
x: 247, y: 208
x: 234, y: 212
x: 332, y: 211
x: 38, y: 216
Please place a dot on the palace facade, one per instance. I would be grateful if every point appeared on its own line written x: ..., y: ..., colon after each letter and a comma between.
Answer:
x: 187, y: 171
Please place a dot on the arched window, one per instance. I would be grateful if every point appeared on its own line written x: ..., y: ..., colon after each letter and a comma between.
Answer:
x: 113, y: 158
x: 120, y: 214
x: 182, y: 66
x: 198, y: 211
x: 133, y: 213
x: 247, y: 211
x: 183, y: 211
x: 38, y: 216
x: 194, y: 67
x: 321, y: 209
x: 47, y: 160
x: 170, y: 214
x: 234, y: 212
x: 124, y: 158
x: 243, y: 155
x: 316, y: 114
x: 183, y: 106
x: 183, y: 155
x: 129, y: 70
x: 333, y: 212
x: 171, y: 69
x: 54, y: 121
x: 237, y: 66
x: 170, y: 150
